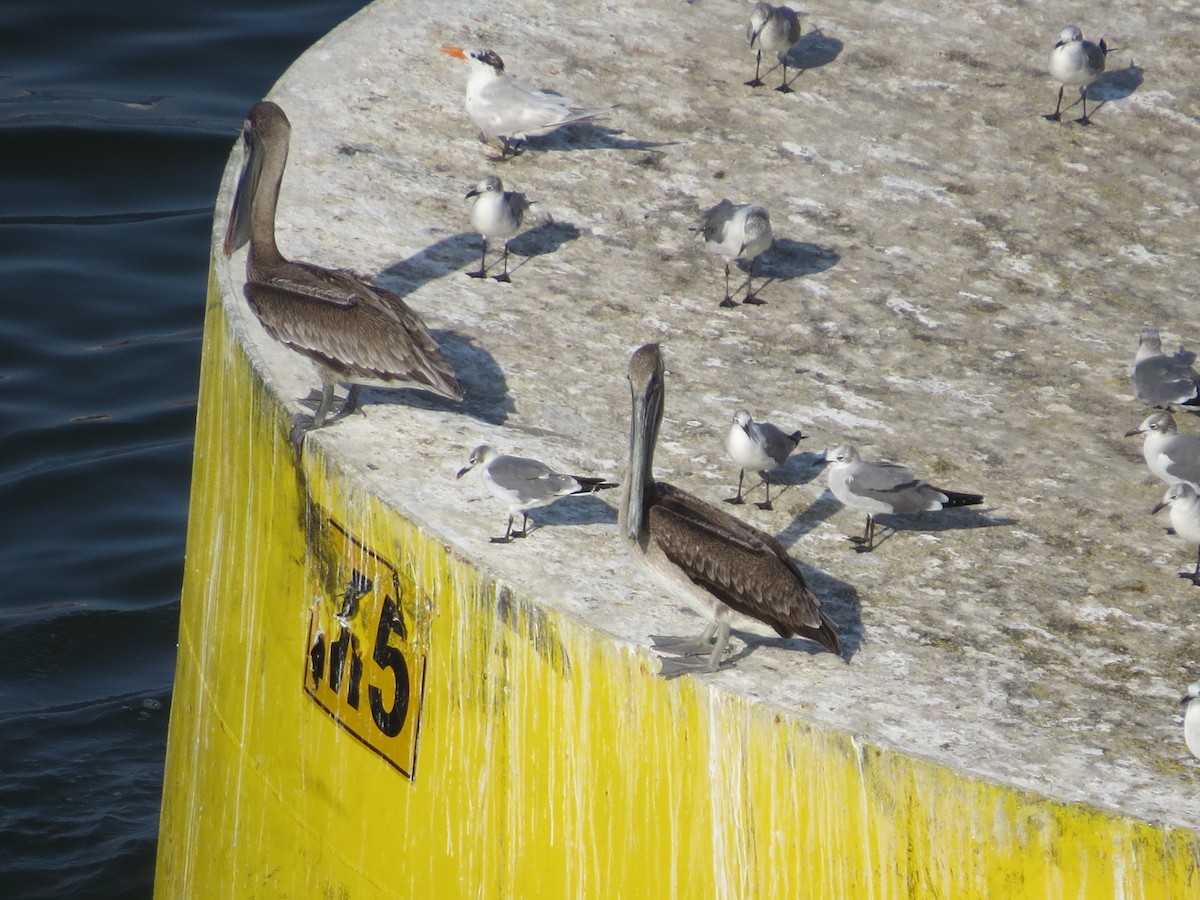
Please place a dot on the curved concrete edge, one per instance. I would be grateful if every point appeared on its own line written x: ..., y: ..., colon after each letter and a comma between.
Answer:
x: 536, y: 757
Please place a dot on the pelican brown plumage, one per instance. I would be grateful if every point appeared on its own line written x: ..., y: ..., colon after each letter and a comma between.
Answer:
x: 352, y: 331
x: 702, y: 555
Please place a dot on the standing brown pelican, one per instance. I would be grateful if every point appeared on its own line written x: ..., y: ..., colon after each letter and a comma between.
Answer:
x: 712, y: 561
x: 351, y: 330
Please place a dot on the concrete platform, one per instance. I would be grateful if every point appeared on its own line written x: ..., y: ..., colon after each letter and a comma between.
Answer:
x: 956, y: 284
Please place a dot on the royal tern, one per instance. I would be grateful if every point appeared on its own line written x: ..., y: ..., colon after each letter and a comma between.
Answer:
x: 507, y: 109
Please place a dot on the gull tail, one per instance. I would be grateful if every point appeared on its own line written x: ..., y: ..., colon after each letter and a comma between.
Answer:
x: 588, y: 485
x: 958, y: 498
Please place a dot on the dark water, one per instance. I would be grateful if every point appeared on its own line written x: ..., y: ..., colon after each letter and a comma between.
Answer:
x: 115, y: 122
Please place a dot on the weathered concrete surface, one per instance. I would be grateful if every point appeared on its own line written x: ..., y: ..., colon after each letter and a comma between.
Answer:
x: 956, y: 284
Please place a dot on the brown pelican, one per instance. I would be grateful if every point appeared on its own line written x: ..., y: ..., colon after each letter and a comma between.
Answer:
x: 702, y: 555
x: 351, y: 330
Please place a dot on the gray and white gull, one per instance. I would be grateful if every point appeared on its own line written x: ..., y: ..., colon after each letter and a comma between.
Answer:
x: 775, y: 29
x: 1184, y: 505
x: 1191, y: 718
x: 877, y: 488
x: 1075, y: 61
x: 1170, y: 456
x: 523, y: 484
x: 760, y: 447
x: 734, y: 232
x: 1160, y: 380
x: 496, y: 214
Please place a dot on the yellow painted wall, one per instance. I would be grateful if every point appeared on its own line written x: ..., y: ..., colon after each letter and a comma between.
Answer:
x: 545, y: 760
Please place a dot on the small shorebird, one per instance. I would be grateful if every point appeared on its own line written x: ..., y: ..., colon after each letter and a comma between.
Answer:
x: 1169, y: 455
x: 701, y: 555
x: 507, y: 109
x: 775, y: 29
x: 352, y: 331
x: 1075, y: 61
x: 877, y: 488
x: 760, y: 447
x: 1181, y: 499
x: 496, y: 214
x: 1160, y: 380
x: 737, y: 232
x: 525, y: 484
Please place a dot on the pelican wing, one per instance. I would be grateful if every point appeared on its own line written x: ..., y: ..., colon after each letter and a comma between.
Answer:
x: 352, y: 328
x: 745, y: 568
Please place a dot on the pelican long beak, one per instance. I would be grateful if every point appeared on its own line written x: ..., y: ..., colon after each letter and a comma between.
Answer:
x: 643, y: 435
x: 456, y: 52
x: 238, y: 231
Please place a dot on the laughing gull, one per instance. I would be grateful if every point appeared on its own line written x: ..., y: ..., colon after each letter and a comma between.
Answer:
x: 496, y: 213
x: 760, y: 447
x: 525, y: 484
x: 508, y: 110
x: 883, y: 487
x: 1075, y: 61
x: 737, y: 232
x: 1169, y: 455
x: 1161, y: 380
x: 352, y: 331
x: 1191, y: 718
x: 775, y: 29
x: 1185, y: 519
x: 701, y: 555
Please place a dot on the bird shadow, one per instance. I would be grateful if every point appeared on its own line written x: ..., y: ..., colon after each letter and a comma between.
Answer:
x: 958, y: 518
x: 543, y: 239
x: 812, y: 51
x: 441, y: 258
x: 1116, y: 85
x: 788, y: 259
x: 485, y: 389
x: 589, y: 136
x: 581, y: 509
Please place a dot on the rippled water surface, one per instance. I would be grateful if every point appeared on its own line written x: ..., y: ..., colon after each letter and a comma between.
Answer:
x: 115, y: 123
